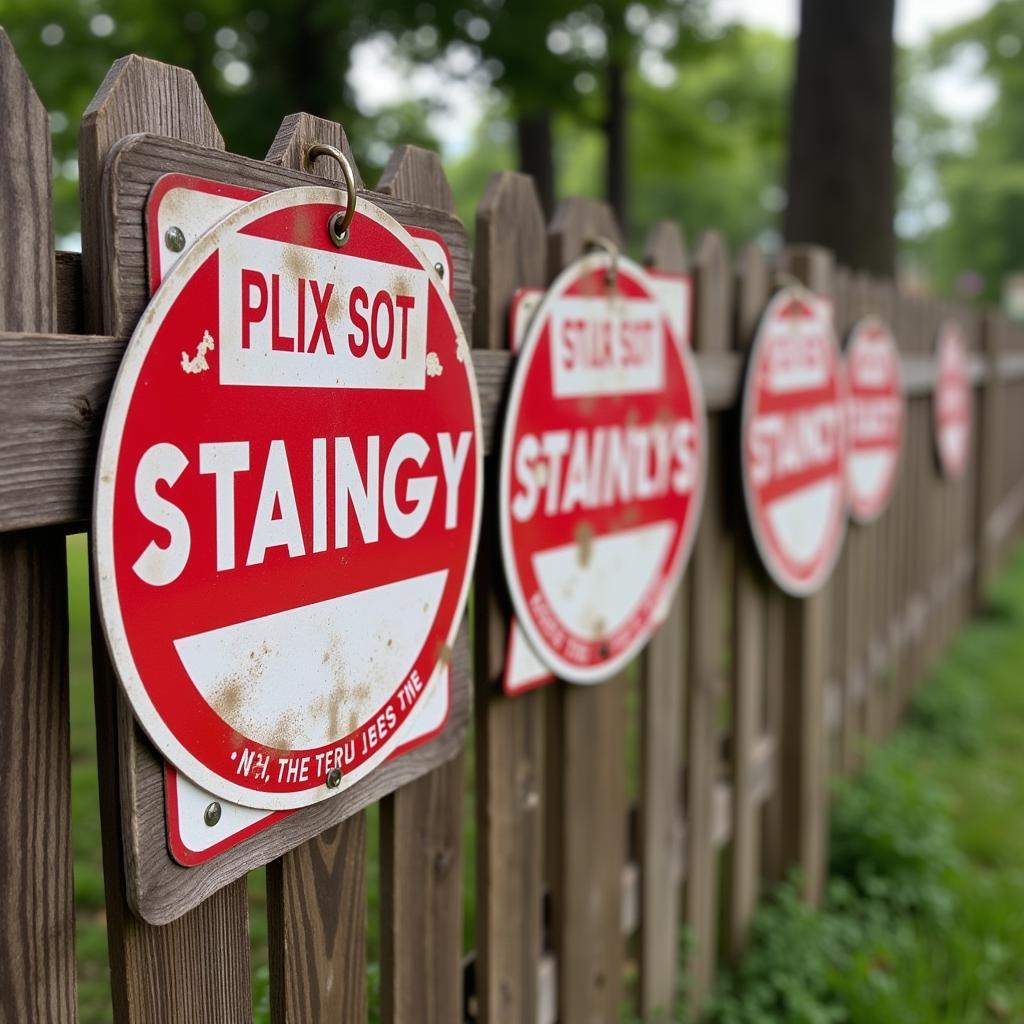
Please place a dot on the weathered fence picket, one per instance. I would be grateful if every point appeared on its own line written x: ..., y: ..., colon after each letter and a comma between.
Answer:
x: 37, y: 976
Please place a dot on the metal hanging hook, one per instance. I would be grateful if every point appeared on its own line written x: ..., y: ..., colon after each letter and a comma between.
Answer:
x: 608, y: 246
x: 338, y: 224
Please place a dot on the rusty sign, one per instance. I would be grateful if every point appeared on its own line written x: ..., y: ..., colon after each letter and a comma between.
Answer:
x: 602, y: 473
x: 876, y: 417
x: 793, y: 442
x: 283, y: 557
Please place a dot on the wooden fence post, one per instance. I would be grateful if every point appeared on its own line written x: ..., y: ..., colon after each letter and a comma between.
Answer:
x: 804, y: 774
x: 587, y: 815
x: 662, y: 687
x: 421, y: 823
x: 37, y: 954
x: 989, y: 449
x: 712, y: 291
x: 195, y: 969
x: 510, y: 254
x: 749, y: 675
x: 316, y: 893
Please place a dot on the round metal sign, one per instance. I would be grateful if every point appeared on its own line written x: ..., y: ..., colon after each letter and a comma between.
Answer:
x: 793, y: 442
x: 952, y: 402
x: 602, y: 468
x: 876, y: 415
x: 288, y: 500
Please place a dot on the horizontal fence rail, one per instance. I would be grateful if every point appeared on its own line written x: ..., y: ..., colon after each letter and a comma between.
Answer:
x: 601, y: 821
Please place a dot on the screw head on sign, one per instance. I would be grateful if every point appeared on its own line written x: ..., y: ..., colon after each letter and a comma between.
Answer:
x: 212, y: 814
x: 174, y: 239
x: 334, y: 778
x: 439, y: 267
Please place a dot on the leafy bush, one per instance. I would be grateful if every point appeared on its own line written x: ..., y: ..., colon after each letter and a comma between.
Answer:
x: 891, y: 836
x: 951, y: 710
x: 892, y: 859
x: 784, y: 974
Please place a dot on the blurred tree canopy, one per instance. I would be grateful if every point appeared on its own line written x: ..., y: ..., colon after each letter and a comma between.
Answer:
x: 547, y: 60
x: 981, y: 171
x: 255, y: 64
x: 707, y: 145
x: 554, y: 58
x: 649, y: 99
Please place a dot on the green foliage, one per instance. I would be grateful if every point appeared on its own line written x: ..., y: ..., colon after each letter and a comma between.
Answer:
x: 706, y: 149
x: 981, y: 167
x: 891, y: 841
x: 892, y: 853
x: 953, y: 712
x: 261, y: 995
x: 274, y: 58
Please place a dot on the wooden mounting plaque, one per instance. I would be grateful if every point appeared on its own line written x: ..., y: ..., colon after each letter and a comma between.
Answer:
x: 159, y: 890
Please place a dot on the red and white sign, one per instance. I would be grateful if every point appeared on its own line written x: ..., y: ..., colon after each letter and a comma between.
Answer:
x: 876, y: 414
x: 288, y: 500
x: 793, y: 463
x: 952, y: 402
x: 194, y: 839
x: 602, y: 468
x: 190, y: 205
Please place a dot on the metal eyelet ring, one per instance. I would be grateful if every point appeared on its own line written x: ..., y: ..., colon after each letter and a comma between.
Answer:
x: 608, y: 246
x: 339, y: 222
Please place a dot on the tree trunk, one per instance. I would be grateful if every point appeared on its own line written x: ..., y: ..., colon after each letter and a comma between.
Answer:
x: 617, y: 145
x: 841, y: 175
x: 536, y: 155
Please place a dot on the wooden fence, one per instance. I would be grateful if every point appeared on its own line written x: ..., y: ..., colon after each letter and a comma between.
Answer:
x: 606, y: 818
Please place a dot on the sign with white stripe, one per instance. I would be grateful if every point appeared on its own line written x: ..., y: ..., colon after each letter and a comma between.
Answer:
x: 288, y: 500
x: 602, y: 469
x: 952, y: 402
x: 793, y: 442
x: 876, y: 412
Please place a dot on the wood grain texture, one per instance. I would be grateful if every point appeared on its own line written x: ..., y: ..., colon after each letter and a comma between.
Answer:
x: 421, y: 900
x: 51, y: 388
x: 748, y: 678
x: 316, y: 925
x: 421, y: 823
x: 510, y: 254
x: 712, y: 294
x: 586, y: 781
x: 37, y: 965
x: 198, y: 968
x: 26, y: 257
x: 297, y: 133
x: 804, y: 779
x: 159, y: 889
x: 137, y: 95
x: 316, y: 893
x: 661, y: 828
x: 662, y: 681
